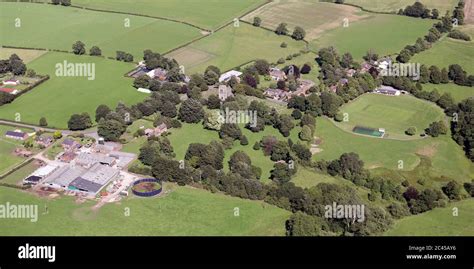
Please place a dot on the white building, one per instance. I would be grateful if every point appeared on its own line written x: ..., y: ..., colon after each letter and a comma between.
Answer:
x: 228, y: 75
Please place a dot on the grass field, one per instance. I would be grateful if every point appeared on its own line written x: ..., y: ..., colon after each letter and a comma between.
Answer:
x: 184, y: 211
x: 449, y: 51
x: 233, y: 46
x: 393, y: 113
x: 191, y: 11
x: 42, y: 24
x: 26, y: 55
x: 17, y: 177
x: 384, y: 34
x: 7, y: 159
x: 395, y: 5
x: 457, y: 92
x: 315, y: 17
x: 446, y: 156
x: 438, y: 222
x: 60, y: 97
x: 307, y: 178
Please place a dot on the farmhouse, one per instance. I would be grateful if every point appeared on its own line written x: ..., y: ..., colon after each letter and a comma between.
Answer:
x: 17, y: 134
x: 159, y: 130
x: 228, y: 75
x: 225, y: 92
x: 158, y: 73
x: 9, y: 90
x: 69, y: 144
x: 13, y: 82
x: 44, y: 141
x: 387, y: 90
x: 277, y: 74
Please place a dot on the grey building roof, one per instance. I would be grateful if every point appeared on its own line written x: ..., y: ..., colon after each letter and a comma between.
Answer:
x: 65, y: 175
x: 85, y: 185
x: 15, y: 134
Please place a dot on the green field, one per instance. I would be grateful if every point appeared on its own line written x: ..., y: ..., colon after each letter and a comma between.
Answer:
x: 41, y: 25
x: 438, y: 222
x: 233, y: 46
x: 315, y: 17
x: 395, y: 5
x: 449, y: 51
x: 190, y: 11
x: 60, y: 97
x: 459, y: 93
x: 393, y: 113
x: 183, y: 211
x: 446, y: 156
x: 17, y: 177
x: 384, y: 34
x: 7, y: 145
x: 26, y: 55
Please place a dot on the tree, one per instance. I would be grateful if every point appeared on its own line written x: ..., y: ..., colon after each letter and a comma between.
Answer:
x: 457, y: 74
x: 262, y: 66
x: 411, y: 131
x: 212, y: 121
x: 66, y: 2
x: 101, y: 112
x: 435, y: 74
x: 446, y: 100
x: 57, y: 135
x: 302, y: 152
x: 281, y: 29
x: 453, y: 190
x: 213, y: 102
x: 43, y: 122
x: 280, y: 152
x: 244, y: 141
x: 55, y: 2
x: 434, y: 13
x: 168, y: 109
x: 230, y: 130
x: 444, y: 76
x: 437, y: 128
x: 298, y: 33
x: 285, y: 125
x: 110, y: 130
x: 79, y: 122
x: 16, y: 65
x: 95, y: 51
x: 79, y: 48
x: 404, y: 56
x: 282, y: 173
x: 305, y: 69
x: 306, y: 133
x: 301, y: 224
x: 149, y: 152
x: 211, y: 77
x: 257, y: 21
x: 191, y: 111
x: 30, y: 73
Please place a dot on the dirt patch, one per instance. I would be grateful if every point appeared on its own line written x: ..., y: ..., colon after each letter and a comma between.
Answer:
x: 428, y: 151
x: 469, y: 12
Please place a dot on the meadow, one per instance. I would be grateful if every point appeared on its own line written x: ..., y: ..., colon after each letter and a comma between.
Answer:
x: 393, y: 113
x: 384, y: 34
x: 181, y: 211
x: 233, y: 46
x: 458, y: 93
x: 24, y: 54
x: 447, y: 158
x: 395, y: 5
x: 41, y: 25
x: 438, y: 222
x: 190, y: 11
x: 60, y: 97
x: 313, y: 16
x: 449, y: 51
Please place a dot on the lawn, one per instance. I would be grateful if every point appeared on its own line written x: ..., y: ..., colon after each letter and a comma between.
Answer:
x: 17, y: 177
x: 208, y: 14
x: 449, y: 51
x: 26, y: 55
x: 393, y: 113
x: 307, y: 178
x: 459, y: 93
x: 384, y: 34
x: 315, y: 17
x: 395, y: 5
x: 60, y: 97
x: 233, y: 46
x: 184, y: 211
x: 438, y: 222
x: 446, y: 156
x: 7, y: 145
x: 42, y: 24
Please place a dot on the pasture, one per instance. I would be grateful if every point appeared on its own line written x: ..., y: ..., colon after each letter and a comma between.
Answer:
x: 384, y: 34
x: 184, y: 211
x: 458, y: 93
x: 395, y: 5
x: 449, y: 51
x: 447, y: 157
x: 393, y: 113
x: 190, y: 11
x: 438, y: 222
x: 40, y: 26
x: 315, y: 17
x: 233, y: 46
x: 9, y: 160
x: 60, y: 97
x: 26, y: 55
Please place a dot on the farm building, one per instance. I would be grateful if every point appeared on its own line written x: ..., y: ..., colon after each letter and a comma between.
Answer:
x: 276, y: 94
x: 277, y: 74
x: 158, y: 73
x: 90, y: 159
x: 9, y: 90
x: 387, y: 90
x: 225, y: 92
x: 17, y: 134
x: 44, y: 141
x: 39, y: 174
x: 69, y: 144
x: 13, y: 82
x: 62, y: 177
x: 93, y: 180
x: 228, y: 75
x: 67, y: 156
